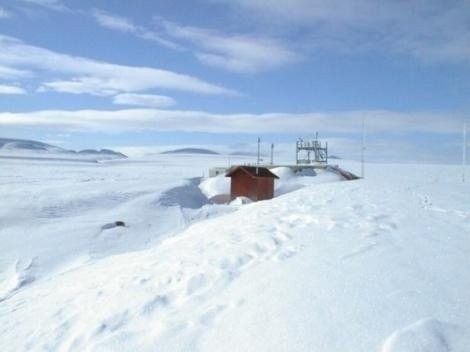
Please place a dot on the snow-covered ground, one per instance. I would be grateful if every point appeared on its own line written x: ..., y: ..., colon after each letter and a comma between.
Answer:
x: 380, y: 264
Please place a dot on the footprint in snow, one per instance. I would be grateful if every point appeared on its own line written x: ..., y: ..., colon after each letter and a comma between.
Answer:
x: 360, y: 251
x: 287, y: 253
x: 195, y: 283
x: 427, y: 335
x: 158, y: 301
x: 208, y: 316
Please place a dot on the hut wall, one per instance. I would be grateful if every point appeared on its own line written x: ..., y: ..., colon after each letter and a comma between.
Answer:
x: 242, y: 185
x: 265, y: 188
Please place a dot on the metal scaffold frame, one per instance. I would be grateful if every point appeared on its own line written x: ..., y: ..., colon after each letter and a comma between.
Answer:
x: 311, y: 152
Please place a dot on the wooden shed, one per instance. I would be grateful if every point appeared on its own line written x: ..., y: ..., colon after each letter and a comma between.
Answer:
x: 254, y: 182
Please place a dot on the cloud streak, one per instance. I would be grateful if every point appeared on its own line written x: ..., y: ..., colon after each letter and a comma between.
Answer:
x: 238, y: 53
x: 121, y: 24
x: 147, y: 100
x: 4, y: 13
x: 430, y: 31
x: 56, y: 5
x: 6, y: 89
x: 12, y: 73
x: 94, y: 77
x: 198, y: 121
x: 113, y: 22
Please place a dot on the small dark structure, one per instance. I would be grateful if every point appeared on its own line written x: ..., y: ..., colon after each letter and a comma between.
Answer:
x: 254, y: 182
x: 348, y: 176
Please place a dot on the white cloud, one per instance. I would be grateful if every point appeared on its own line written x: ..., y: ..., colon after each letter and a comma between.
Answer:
x: 82, y: 85
x: 308, y: 11
x: 148, y: 100
x: 56, y: 5
x: 4, y: 13
x: 198, y: 121
x: 431, y: 31
x: 123, y: 24
x: 12, y: 73
x: 114, y: 22
x: 239, y: 53
x: 5, y: 89
x: 83, y: 75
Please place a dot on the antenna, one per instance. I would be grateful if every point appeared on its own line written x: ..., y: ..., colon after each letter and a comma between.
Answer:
x: 258, y: 159
x: 464, y: 150
x: 363, y: 148
x: 326, y: 153
x: 272, y: 154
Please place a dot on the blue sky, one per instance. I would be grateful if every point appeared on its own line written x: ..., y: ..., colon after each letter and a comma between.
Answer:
x: 120, y: 73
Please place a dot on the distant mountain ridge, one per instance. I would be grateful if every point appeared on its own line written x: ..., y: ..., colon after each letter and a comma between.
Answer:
x: 102, y: 152
x: 191, y: 151
x: 25, y: 144
x: 11, y: 146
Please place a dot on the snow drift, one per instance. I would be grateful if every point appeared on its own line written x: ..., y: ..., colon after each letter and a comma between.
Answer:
x: 372, y: 265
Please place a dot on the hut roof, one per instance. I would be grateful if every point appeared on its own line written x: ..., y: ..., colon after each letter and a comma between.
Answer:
x: 253, y: 171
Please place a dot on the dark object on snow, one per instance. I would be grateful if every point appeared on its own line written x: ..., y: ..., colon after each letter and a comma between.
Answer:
x: 112, y: 225
x: 254, y: 182
x: 348, y: 176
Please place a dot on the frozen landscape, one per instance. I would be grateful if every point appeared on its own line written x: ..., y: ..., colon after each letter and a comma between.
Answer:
x: 188, y: 176
x: 378, y: 264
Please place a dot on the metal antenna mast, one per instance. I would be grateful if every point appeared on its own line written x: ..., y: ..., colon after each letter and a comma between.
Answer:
x: 272, y: 154
x: 258, y: 159
x: 464, y: 150
x: 363, y: 148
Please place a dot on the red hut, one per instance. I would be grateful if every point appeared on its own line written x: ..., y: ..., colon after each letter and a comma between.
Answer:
x: 254, y: 182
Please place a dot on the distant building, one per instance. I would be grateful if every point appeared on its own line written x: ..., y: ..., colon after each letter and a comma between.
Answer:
x: 254, y: 182
x: 216, y: 171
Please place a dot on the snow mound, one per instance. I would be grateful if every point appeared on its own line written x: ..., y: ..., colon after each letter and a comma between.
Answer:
x: 241, y: 201
x: 426, y: 335
x: 186, y: 196
x: 290, y: 181
x: 283, y: 173
x: 214, y: 186
x: 20, y: 274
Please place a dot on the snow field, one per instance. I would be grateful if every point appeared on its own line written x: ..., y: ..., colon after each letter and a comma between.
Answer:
x: 52, y: 213
x: 373, y: 265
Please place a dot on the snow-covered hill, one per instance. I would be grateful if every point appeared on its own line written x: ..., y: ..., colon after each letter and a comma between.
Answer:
x: 34, y: 150
x: 379, y: 264
x: 23, y: 144
x: 191, y: 151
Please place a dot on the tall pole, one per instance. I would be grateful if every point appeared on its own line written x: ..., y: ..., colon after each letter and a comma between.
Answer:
x: 297, y: 152
x: 363, y: 149
x: 258, y: 159
x: 272, y: 154
x: 464, y: 150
